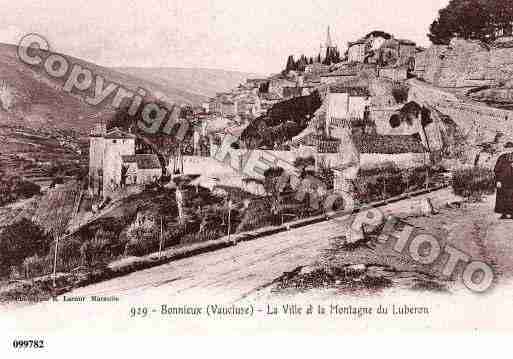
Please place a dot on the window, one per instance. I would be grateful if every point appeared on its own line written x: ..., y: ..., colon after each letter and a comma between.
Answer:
x: 395, y: 121
x: 114, y: 141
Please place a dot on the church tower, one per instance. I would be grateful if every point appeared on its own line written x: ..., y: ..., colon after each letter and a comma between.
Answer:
x: 332, y: 54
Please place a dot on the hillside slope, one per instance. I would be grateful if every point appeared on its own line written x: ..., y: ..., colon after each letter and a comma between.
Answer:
x: 38, y: 100
x: 200, y: 81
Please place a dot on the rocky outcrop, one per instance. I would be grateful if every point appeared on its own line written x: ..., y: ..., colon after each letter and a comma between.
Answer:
x: 466, y: 64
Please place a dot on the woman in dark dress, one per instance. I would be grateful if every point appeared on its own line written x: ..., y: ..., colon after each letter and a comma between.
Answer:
x: 504, y: 179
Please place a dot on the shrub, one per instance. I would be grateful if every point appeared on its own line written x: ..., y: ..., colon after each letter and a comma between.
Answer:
x: 68, y: 255
x: 15, y: 188
x: 37, y: 266
x: 202, y: 236
x: 255, y: 216
x: 173, y: 236
x: 325, y: 174
x: 144, y: 237
x: 26, y: 189
x: 400, y: 93
x: 141, y: 246
x: 473, y: 182
x: 386, y: 180
x: 20, y: 240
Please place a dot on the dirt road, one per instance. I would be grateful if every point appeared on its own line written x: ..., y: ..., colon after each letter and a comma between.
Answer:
x: 236, y: 272
x: 249, y: 270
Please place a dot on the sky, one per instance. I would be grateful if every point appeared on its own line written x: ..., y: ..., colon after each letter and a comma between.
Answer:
x: 250, y: 36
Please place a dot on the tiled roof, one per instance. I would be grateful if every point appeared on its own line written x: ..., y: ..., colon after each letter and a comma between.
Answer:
x: 351, y: 90
x: 406, y: 42
x: 116, y: 133
x: 271, y: 96
x: 341, y: 72
x: 357, y: 42
x: 144, y: 161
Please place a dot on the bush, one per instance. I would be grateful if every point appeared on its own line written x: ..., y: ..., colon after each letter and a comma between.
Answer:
x: 386, y: 180
x: 141, y: 246
x: 20, y: 240
x: 400, y: 93
x: 255, y: 216
x: 202, y: 236
x: 37, y: 266
x: 473, y: 182
x: 149, y: 242
x: 13, y: 189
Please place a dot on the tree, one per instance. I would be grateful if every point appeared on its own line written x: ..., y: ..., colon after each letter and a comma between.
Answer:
x: 379, y: 33
x: 302, y: 164
x: 291, y: 64
x: 301, y: 64
x: 332, y: 56
x: 163, y: 140
x: 274, y: 182
x: 20, y: 240
x: 180, y: 204
x: 471, y: 19
x: 181, y: 183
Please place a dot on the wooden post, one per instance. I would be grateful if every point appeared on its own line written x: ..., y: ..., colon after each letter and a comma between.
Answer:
x: 161, y: 237
x: 55, y: 261
x: 407, y: 181
x: 229, y: 218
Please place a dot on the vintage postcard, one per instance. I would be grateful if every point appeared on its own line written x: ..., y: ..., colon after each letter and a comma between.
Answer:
x: 255, y: 167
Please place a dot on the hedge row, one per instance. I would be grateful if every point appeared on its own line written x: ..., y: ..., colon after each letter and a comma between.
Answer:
x: 473, y: 182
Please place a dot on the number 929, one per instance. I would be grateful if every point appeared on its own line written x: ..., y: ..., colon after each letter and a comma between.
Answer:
x: 139, y: 312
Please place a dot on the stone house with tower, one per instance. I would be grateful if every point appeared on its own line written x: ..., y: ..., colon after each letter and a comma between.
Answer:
x: 114, y: 163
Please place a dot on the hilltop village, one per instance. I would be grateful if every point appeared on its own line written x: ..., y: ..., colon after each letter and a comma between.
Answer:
x: 407, y: 106
x: 381, y: 119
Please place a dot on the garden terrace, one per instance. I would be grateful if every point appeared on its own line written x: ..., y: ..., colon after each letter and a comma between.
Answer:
x: 389, y: 144
x: 297, y: 111
x: 369, y: 143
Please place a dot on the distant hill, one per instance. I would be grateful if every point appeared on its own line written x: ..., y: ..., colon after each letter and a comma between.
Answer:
x: 205, y: 82
x: 38, y: 100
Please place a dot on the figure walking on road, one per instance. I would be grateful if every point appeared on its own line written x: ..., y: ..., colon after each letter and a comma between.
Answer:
x: 504, y: 183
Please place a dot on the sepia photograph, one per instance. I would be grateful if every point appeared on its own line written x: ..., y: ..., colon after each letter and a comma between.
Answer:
x: 297, y: 166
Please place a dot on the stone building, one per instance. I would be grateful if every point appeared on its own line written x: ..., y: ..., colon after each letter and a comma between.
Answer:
x: 105, y: 151
x: 346, y: 103
x: 113, y: 162
x: 356, y: 51
x: 140, y: 169
x: 277, y: 84
x: 394, y: 73
x: 228, y: 108
x: 343, y: 74
x: 406, y: 51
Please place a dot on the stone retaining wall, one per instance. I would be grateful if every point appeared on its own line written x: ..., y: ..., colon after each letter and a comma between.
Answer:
x: 465, y: 63
x: 478, y: 121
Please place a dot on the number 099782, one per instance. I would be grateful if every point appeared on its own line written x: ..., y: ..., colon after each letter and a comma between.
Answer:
x: 28, y: 344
